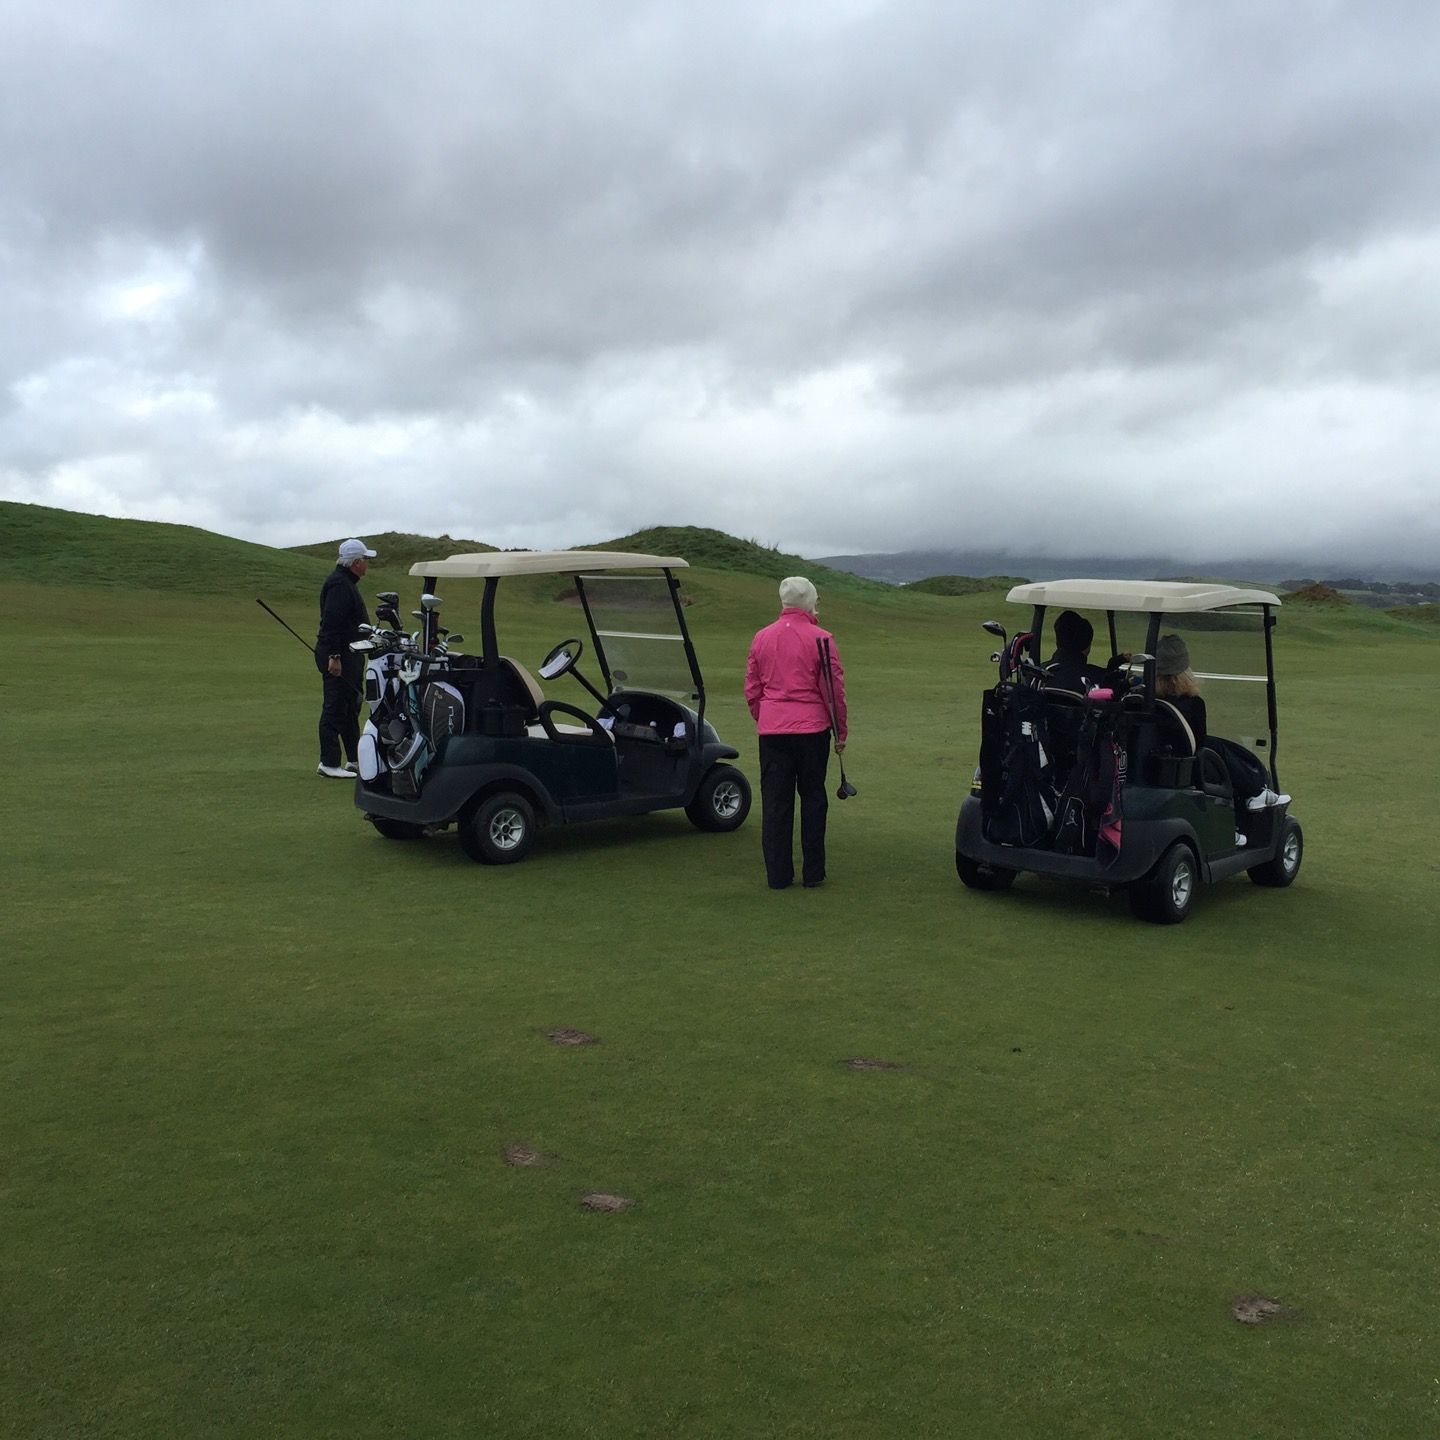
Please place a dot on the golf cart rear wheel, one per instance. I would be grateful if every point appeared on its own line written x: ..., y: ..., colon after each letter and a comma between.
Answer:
x: 1276, y: 874
x: 500, y: 830
x: 397, y: 829
x: 1165, y: 895
x: 982, y: 877
x: 722, y: 802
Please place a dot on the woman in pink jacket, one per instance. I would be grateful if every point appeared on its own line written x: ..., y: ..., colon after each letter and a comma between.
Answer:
x: 790, y: 698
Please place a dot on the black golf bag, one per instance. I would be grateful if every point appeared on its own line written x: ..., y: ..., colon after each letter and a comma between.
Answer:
x: 1088, y: 810
x: 1017, y: 784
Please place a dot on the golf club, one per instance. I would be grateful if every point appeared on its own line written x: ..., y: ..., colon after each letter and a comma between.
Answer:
x: 293, y: 631
x: 846, y: 789
x: 308, y: 646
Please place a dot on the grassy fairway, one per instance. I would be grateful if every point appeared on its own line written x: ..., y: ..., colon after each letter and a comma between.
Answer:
x: 260, y: 1067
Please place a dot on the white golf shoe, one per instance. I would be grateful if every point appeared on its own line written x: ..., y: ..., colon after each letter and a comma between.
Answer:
x: 1266, y: 799
x: 334, y: 772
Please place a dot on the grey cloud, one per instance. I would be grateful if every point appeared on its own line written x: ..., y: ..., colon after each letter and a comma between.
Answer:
x: 575, y: 244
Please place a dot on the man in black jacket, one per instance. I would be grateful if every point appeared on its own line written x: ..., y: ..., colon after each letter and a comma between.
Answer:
x: 342, y: 613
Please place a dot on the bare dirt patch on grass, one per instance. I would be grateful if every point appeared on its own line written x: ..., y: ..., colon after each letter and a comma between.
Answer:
x: 869, y: 1062
x: 564, y: 1035
x: 601, y: 1200
x: 519, y: 1153
x: 1260, y: 1310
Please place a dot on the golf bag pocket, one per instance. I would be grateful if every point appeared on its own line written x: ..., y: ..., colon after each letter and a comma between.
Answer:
x: 443, y: 710
x: 369, y: 761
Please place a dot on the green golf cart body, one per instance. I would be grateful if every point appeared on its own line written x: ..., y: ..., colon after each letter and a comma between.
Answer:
x: 1153, y: 813
x: 518, y: 761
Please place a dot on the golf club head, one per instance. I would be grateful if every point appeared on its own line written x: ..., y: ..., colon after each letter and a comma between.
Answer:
x: 430, y: 602
x: 993, y: 627
x: 845, y: 791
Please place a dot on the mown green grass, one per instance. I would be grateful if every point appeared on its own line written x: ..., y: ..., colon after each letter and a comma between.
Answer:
x: 260, y: 1065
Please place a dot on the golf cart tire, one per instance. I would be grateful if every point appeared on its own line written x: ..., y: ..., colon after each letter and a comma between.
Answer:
x: 977, y: 876
x: 722, y: 800
x: 397, y: 829
x: 1277, y: 873
x: 500, y: 830
x: 1165, y: 895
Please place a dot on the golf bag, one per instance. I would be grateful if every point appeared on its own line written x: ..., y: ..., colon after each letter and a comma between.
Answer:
x: 1017, y: 786
x: 408, y: 718
x: 1088, y: 812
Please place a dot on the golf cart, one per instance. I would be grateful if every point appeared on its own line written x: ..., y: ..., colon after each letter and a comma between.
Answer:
x: 471, y: 740
x: 1109, y: 787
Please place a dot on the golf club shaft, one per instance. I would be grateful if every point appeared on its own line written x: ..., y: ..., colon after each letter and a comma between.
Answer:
x: 828, y: 690
x: 294, y: 632
x: 358, y: 689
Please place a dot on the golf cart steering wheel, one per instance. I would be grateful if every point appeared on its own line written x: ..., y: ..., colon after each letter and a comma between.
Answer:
x: 561, y: 660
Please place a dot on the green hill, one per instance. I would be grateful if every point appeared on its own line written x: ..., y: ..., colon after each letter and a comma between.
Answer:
x: 396, y: 549
x: 963, y: 584
x: 708, y: 549
x: 62, y: 547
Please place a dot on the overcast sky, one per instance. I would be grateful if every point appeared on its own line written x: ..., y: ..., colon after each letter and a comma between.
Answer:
x: 834, y: 275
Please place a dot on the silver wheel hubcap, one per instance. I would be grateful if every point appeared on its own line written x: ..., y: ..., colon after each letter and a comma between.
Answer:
x: 507, y: 829
x: 1290, y: 852
x: 725, y: 799
x: 1182, y: 882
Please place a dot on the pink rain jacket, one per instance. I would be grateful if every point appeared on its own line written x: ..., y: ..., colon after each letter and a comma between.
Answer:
x: 783, y: 678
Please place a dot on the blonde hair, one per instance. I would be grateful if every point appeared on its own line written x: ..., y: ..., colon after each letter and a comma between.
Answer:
x: 1184, y: 683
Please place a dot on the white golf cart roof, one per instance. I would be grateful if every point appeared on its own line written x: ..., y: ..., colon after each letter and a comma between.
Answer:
x: 490, y: 564
x: 1175, y: 597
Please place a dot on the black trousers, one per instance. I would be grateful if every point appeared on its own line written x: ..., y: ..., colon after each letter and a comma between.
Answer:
x: 340, y: 710
x: 1248, y: 775
x: 791, y: 764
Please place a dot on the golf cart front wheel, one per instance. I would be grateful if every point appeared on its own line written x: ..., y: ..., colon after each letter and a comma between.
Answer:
x: 1165, y: 895
x: 1276, y: 874
x: 976, y: 876
x: 500, y: 830
x: 722, y: 802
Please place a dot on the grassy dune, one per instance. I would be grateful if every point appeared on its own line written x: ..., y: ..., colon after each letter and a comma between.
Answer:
x: 260, y: 1066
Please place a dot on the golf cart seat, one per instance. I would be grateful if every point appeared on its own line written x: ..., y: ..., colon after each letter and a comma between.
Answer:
x: 500, y: 699
x: 526, y: 679
x: 1172, y: 758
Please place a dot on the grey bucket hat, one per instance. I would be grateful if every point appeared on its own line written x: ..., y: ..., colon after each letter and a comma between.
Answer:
x: 1172, y: 655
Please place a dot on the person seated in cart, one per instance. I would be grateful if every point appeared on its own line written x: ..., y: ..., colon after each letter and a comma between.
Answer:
x: 1071, y: 668
x: 1177, y: 683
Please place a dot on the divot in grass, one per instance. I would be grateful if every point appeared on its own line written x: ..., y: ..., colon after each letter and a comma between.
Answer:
x: 566, y: 1036
x: 518, y: 1153
x: 599, y: 1200
x: 1260, y: 1310
x: 865, y: 1062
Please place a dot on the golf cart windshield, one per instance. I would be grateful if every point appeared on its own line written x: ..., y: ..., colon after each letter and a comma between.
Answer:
x: 1227, y: 654
x: 639, y: 636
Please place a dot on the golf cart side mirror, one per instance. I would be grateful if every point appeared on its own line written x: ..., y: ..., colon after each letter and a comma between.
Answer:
x: 994, y: 627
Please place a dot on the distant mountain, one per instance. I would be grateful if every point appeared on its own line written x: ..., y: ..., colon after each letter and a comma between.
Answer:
x: 902, y: 567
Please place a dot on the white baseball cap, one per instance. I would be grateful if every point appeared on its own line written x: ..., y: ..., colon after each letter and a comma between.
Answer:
x: 352, y: 550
